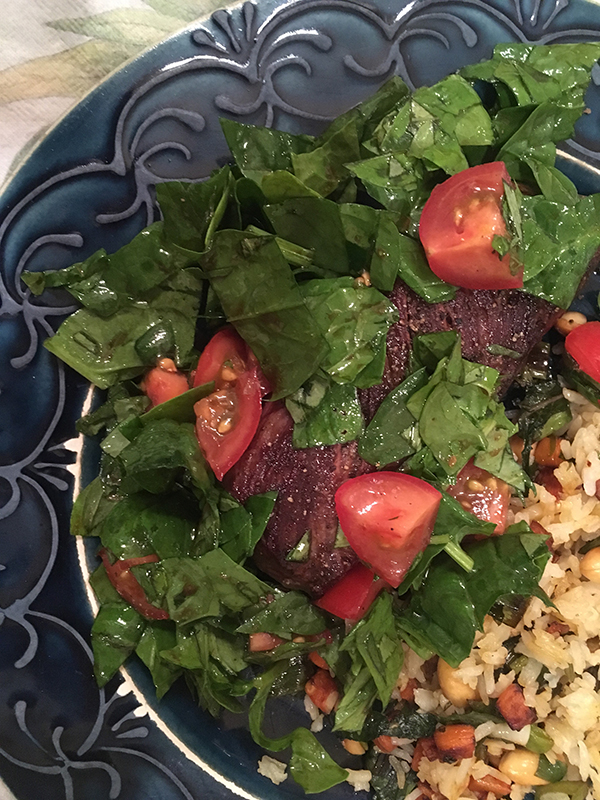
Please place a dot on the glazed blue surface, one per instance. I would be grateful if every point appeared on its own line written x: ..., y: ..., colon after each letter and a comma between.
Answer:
x: 89, y: 185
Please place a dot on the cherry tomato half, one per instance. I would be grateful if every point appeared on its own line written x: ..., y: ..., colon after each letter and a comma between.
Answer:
x: 583, y: 344
x: 227, y: 419
x: 164, y: 382
x: 387, y: 518
x: 484, y: 495
x: 351, y: 597
x: 458, y: 223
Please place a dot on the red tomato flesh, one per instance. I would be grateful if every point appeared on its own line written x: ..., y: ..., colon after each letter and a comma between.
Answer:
x: 164, y: 382
x: 351, y: 597
x: 484, y: 495
x: 458, y: 223
x: 261, y: 642
x: 227, y: 419
x: 387, y: 518
x: 122, y: 578
x: 583, y: 344
x: 323, y: 691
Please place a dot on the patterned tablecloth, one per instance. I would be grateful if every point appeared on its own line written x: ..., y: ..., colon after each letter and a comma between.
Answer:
x: 52, y: 52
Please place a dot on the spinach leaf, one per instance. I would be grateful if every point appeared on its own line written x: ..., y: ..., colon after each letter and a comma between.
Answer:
x: 315, y: 224
x: 258, y: 150
x: 354, y: 320
x: 553, y: 233
x: 90, y: 509
x: 360, y: 692
x: 324, y: 412
x: 577, y: 379
x: 281, y: 185
x: 373, y: 646
x: 535, y: 74
x: 106, y: 283
x: 443, y: 118
x: 322, y: 168
x: 405, y: 722
x: 159, y: 636
x: 143, y: 524
x: 384, y: 778
x: 451, y: 604
x: 154, y: 459
x: 258, y: 293
x: 396, y: 180
x: 532, y: 145
x: 376, y: 640
x: 452, y: 524
x: 434, y: 125
x: 371, y: 111
x: 414, y: 269
x: 457, y: 416
x: 191, y: 210
x: 116, y: 633
x: 209, y: 586
x: 180, y: 408
x: 289, y: 614
x: 242, y: 526
x: 392, y: 433
x: 544, y: 410
x: 103, y: 349
x: 212, y: 658
x: 310, y: 765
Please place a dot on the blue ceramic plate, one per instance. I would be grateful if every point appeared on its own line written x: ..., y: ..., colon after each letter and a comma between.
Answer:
x: 293, y: 65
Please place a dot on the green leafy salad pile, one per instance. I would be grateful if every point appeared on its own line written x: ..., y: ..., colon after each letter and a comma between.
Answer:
x: 275, y: 244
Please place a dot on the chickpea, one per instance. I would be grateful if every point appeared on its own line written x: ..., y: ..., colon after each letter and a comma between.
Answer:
x: 569, y: 321
x: 590, y: 565
x: 520, y: 766
x: 458, y: 692
x: 353, y: 747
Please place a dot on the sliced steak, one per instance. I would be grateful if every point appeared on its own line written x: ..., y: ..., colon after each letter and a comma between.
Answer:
x: 308, y: 479
x: 509, y: 318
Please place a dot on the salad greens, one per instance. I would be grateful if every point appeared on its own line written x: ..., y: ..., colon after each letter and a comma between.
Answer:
x: 295, y: 245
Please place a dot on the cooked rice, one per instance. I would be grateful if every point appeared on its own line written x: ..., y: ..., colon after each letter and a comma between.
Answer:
x: 275, y: 770
x: 359, y: 779
x: 567, y: 702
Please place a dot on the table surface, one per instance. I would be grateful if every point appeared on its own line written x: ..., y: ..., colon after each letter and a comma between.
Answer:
x: 52, y: 52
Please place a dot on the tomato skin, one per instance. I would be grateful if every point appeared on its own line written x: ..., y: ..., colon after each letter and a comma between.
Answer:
x: 457, y: 226
x: 239, y: 388
x: 122, y: 578
x: 387, y: 518
x: 351, y: 597
x: 164, y: 383
x: 583, y: 344
x: 485, y: 496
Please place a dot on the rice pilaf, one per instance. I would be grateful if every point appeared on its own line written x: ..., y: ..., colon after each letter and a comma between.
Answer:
x: 554, y: 652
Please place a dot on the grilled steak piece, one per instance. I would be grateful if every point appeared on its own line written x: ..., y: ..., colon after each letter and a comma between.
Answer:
x: 308, y: 479
x: 508, y: 317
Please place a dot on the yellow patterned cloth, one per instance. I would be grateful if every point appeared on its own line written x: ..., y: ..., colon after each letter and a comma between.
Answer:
x: 52, y: 52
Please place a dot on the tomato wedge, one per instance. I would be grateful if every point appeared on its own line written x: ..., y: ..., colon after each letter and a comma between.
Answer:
x: 458, y: 223
x: 227, y: 419
x: 164, y: 382
x: 387, y: 518
x: 484, y: 495
x: 127, y: 585
x: 583, y: 344
x: 351, y: 597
